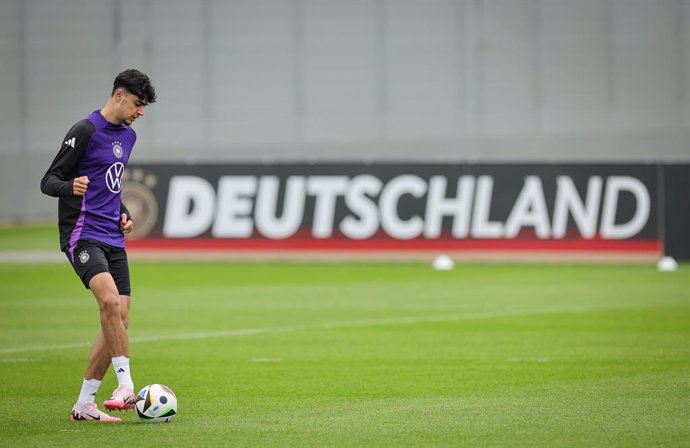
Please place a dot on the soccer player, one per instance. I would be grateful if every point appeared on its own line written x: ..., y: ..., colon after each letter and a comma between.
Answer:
x: 86, y: 176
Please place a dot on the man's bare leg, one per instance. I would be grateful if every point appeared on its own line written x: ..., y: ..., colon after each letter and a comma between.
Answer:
x: 112, y: 342
x: 100, y: 357
x: 114, y: 313
x: 112, y: 327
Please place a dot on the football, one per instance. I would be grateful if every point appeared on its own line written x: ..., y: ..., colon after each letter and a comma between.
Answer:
x: 156, y: 404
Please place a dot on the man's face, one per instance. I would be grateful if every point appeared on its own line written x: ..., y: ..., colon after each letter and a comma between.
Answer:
x: 129, y: 107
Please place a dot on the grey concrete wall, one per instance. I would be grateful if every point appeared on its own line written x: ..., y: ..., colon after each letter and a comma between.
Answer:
x: 356, y: 80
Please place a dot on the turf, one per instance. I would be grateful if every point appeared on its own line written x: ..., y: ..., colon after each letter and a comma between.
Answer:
x: 29, y: 237
x: 362, y: 355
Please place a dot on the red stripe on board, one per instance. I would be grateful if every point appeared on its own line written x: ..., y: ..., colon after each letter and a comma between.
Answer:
x: 211, y: 244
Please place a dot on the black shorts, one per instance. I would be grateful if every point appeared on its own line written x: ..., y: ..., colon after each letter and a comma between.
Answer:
x: 93, y: 257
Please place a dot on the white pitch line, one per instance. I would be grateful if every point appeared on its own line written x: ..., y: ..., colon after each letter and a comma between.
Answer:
x: 296, y: 328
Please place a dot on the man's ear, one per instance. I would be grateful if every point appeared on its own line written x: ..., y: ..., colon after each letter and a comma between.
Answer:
x: 118, y: 95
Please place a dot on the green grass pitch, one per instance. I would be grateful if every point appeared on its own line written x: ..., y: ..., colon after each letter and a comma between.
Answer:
x: 380, y: 355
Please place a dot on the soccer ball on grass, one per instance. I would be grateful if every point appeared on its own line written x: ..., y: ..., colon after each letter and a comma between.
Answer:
x: 156, y: 404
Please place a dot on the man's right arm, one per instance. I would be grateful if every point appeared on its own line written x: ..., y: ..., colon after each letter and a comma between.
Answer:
x: 59, y: 179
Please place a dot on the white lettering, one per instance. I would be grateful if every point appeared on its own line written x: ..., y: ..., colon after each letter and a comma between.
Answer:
x: 190, y: 207
x: 405, y: 207
x: 358, y: 200
x: 481, y: 226
x: 568, y: 200
x: 233, y: 215
x: 388, y: 203
x: 267, y: 207
x: 438, y: 206
x: 614, y: 186
x: 326, y: 189
x: 529, y: 210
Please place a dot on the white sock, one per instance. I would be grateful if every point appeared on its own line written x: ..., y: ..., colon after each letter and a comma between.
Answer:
x: 121, y: 367
x: 88, y: 393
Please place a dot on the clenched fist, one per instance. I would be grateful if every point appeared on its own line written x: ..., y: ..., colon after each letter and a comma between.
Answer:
x: 79, y: 185
x: 126, y: 224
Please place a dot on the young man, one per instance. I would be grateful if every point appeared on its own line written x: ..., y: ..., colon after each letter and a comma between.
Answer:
x: 87, y: 176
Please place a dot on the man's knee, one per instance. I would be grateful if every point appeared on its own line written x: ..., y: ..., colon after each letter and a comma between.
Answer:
x: 109, y: 304
x: 103, y: 287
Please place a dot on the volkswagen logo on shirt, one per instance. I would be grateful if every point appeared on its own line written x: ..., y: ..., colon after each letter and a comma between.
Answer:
x: 113, y: 178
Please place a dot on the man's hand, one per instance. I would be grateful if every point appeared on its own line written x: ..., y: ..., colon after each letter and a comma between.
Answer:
x: 79, y: 185
x: 126, y: 225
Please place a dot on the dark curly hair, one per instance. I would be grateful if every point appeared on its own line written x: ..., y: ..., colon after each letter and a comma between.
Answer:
x: 137, y: 83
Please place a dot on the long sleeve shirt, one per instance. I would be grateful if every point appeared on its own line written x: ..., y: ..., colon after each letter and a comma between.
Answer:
x: 96, y: 148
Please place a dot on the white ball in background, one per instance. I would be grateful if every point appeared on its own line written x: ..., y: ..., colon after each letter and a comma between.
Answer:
x: 443, y: 263
x: 667, y: 264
